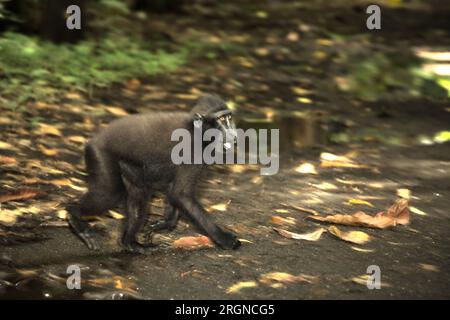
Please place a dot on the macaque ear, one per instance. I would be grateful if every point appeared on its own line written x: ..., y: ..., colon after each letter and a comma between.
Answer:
x: 198, y: 120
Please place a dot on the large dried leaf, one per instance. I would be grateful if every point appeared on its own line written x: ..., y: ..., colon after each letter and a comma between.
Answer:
x: 312, y: 236
x: 191, y: 243
x: 396, y: 214
x: 357, y: 237
x: 19, y: 195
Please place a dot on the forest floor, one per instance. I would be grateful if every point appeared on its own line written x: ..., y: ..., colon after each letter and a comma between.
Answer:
x: 283, y: 62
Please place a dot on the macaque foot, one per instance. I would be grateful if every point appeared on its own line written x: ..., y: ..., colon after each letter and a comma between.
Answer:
x: 228, y: 241
x: 82, y: 230
x: 161, y: 225
x: 136, y: 247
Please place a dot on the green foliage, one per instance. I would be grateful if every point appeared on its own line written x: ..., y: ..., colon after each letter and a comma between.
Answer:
x: 31, y: 69
x: 382, y: 75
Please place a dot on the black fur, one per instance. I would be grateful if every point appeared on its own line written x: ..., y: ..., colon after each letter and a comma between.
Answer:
x: 130, y: 159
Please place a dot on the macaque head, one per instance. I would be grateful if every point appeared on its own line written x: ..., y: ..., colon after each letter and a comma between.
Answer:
x: 212, y: 112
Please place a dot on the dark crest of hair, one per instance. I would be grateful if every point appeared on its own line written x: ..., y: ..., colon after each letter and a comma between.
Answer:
x: 208, y: 105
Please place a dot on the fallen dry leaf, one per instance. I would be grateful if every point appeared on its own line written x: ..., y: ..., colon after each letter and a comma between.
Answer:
x: 404, y: 193
x: 7, y: 160
x: 55, y: 182
x: 115, y: 215
x: 133, y: 84
x: 306, y: 168
x: 9, y: 217
x: 357, y: 237
x: 359, y: 201
x: 329, y: 160
x: 47, y: 129
x: 396, y: 214
x: 219, y: 207
x: 310, y: 211
x: 312, y: 236
x: 117, y: 111
x: 417, y: 211
x: 192, y: 243
x: 47, y: 151
x: 77, y: 139
x: 283, y: 277
x: 362, y: 279
x: 429, y: 267
x: 241, y: 285
x: 362, y: 250
x: 19, y: 195
x: 283, y: 221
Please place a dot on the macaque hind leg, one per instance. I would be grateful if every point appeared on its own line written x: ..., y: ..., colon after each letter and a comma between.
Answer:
x: 137, y: 198
x: 91, y: 204
x: 105, y: 192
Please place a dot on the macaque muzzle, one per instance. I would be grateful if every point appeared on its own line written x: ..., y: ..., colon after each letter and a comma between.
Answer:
x: 226, y: 125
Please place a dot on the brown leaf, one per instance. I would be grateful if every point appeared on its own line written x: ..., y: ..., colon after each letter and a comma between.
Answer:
x: 19, y: 195
x: 7, y: 160
x: 396, y: 214
x: 283, y: 221
x: 312, y: 236
x: 133, y: 84
x: 357, y: 237
x: 192, y: 243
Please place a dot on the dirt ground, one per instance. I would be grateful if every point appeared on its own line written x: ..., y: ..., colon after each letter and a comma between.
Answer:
x: 414, y: 260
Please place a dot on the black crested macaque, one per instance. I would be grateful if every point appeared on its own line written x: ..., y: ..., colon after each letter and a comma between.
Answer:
x: 130, y: 159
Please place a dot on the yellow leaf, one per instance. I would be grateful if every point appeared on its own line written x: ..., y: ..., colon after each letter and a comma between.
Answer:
x: 359, y: 201
x: 361, y: 279
x: 241, y: 285
x: 47, y: 129
x: 404, y: 193
x: 362, y: 250
x: 9, y: 217
x: 357, y: 237
x: 47, y: 151
x: 116, y: 215
x: 284, y: 277
x: 417, y: 211
x: 62, y: 214
x: 77, y: 139
x: 306, y: 168
x: 117, y: 111
x: 219, y: 207
x: 304, y: 100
